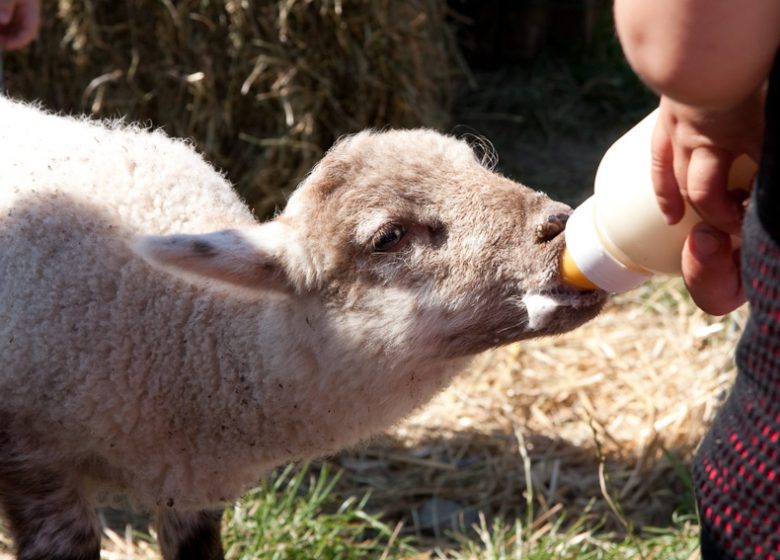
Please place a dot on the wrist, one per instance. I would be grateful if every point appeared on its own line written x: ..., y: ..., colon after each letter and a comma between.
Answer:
x: 735, y: 127
x: 717, y: 109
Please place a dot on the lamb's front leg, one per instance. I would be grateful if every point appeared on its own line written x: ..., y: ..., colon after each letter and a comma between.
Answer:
x: 49, y: 517
x: 190, y: 535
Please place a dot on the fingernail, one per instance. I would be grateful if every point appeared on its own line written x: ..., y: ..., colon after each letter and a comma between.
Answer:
x: 706, y: 243
x: 670, y: 217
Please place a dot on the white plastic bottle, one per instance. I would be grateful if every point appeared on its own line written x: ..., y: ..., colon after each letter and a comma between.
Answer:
x: 618, y: 238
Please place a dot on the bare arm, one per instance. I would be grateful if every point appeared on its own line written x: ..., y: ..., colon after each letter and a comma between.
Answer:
x: 705, y: 53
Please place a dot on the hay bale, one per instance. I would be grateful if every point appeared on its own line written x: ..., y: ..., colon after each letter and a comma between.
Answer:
x: 262, y: 87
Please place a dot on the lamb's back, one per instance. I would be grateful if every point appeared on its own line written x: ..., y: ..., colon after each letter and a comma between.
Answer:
x: 142, y: 179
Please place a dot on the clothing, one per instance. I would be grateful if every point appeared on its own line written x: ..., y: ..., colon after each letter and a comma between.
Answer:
x: 737, y: 467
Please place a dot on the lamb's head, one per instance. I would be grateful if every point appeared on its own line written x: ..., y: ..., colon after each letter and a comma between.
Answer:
x: 405, y: 237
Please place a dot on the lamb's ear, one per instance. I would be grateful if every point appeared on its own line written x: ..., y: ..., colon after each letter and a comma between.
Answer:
x: 251, y: 258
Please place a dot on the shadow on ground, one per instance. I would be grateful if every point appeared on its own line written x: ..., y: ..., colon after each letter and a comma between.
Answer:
x: 440, y: 485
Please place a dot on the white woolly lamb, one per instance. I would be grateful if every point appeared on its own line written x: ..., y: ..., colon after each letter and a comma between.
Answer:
x: 158, y: 342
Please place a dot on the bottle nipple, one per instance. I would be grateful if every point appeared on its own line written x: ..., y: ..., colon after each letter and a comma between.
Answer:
x: 571, y: 273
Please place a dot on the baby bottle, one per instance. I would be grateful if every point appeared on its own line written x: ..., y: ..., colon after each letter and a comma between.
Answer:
x: 618, y: 237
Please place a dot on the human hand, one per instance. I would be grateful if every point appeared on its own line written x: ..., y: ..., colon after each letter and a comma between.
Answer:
x: 711, y: 269
x: 693, y: 151
x: 19, y: 23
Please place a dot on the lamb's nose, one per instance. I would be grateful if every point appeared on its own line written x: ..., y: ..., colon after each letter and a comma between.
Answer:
x: 550, y: 228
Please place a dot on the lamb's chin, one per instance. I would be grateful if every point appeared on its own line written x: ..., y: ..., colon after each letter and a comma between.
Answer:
x: 544, y: 307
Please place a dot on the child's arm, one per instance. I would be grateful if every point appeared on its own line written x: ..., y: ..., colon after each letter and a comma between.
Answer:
x: 704, y: 53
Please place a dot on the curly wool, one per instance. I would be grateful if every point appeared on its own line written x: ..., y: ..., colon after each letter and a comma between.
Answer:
x: 97, y: 362
x: 176, y: 393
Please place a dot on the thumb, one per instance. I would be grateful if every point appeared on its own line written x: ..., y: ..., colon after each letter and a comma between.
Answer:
x: 711, y: 270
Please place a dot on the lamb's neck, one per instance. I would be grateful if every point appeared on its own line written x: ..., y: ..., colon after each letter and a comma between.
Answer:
x: 292, y: 383
x: 252, y: 385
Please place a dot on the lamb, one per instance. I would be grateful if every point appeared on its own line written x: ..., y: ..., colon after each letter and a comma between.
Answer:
x: 158, y: 342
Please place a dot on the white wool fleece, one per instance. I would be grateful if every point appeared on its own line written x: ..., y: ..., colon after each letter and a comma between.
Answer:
x: 107, y: 365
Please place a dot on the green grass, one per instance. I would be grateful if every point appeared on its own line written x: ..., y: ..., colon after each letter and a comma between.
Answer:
x: 581, y: 541
x: 295, y: 515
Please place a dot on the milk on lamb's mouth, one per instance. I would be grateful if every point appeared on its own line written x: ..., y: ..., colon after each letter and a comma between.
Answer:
x: 574, y: 297
x: 540, y: 306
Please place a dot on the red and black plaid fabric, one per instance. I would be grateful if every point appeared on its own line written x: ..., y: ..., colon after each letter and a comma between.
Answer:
x: 737, y: 468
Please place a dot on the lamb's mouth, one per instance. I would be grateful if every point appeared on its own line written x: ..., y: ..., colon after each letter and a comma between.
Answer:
x: 544, y: 305
x: 573, y: 297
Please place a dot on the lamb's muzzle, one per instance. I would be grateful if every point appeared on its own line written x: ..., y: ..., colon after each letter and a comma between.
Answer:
x: 551, y: 227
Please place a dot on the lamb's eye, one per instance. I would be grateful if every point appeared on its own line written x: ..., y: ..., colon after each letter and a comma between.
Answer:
x: 388, y: 237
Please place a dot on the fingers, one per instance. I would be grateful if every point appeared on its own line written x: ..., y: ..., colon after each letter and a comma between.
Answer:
x: 667, y: 191
x: 693, y: 152
x: 19, y: 23
x: 711, y: 270
x: 707, y: 189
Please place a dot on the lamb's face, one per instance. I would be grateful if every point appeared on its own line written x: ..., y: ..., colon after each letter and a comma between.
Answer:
x: 408, y: 234
x: 405, y: 242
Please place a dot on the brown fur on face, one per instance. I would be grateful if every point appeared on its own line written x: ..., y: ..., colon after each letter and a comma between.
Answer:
x: 471, y: 248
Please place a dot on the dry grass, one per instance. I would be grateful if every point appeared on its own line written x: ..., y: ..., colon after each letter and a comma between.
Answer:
x: 261, y: 87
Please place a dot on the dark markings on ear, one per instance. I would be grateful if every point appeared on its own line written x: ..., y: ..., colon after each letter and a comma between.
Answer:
x: 228, y: 256
x: 204, y: 249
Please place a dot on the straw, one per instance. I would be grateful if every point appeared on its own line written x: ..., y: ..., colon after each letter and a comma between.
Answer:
x: 262, y: 88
